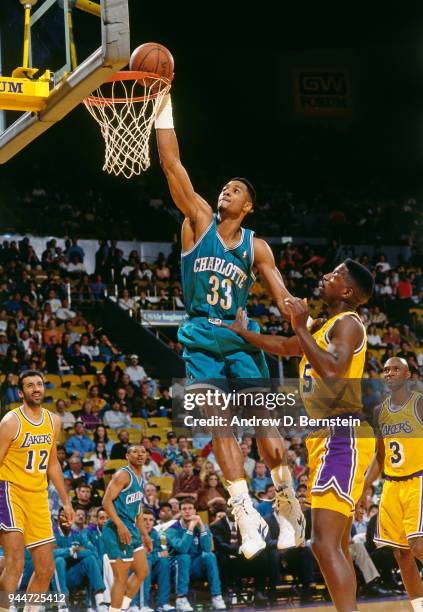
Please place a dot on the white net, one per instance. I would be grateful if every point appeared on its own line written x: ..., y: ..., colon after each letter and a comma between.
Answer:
x: 125, y: 109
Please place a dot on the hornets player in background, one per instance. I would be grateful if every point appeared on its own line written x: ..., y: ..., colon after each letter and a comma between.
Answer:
x: 399, y: 423
x: 218, y: 256
x: 28, y: 458
x: 122, y: 532
x: 338, y: 457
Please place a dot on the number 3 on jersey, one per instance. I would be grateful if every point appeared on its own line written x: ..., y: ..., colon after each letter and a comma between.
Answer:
x: 42, y: 463
x: 397, y: 458
x: 226, y: 286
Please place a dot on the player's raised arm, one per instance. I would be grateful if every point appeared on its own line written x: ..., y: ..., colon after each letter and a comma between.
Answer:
x: 347, y: 335
x: 289, y: 347
x: 119, y: 481
x: 186, y: 199
x: 264, y: 261
x: 8, y: 431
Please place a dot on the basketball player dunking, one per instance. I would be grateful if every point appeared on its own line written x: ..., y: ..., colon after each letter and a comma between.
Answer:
x: 399, y: 422
x: 338, y: 458
x: 27, y: 457
x: 217, y: 260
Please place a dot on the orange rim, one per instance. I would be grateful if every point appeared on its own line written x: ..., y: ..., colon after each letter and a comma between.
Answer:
x: 128, y: 75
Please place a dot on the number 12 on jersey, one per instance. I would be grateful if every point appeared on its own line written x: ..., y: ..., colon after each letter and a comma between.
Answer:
x: 41, y: 460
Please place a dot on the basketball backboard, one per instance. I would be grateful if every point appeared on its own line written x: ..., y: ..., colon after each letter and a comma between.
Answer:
x: 81, y: 42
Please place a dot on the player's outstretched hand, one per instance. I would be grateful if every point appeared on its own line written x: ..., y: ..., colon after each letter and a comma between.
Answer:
x: 298, y: 311
x: 69, y: 514
x: 241, y: 322
x: 124, y: 534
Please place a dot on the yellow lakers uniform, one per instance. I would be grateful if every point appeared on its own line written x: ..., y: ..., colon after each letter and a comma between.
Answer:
x: 23, y: 480
x: 401, y: 507
x: 338, y: 455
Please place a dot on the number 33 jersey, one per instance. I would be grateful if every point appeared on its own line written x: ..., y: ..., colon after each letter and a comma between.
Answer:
x: 402, y: 431
x: 216, y: 279
x: 25, y: 463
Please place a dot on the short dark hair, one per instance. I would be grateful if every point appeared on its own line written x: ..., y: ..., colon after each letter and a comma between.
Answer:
x: 27, y: 374
x: 165, y: 505
x: 148, y: 511
x: 362, y: 278
x: 249, y: 186
x: 188, y: 500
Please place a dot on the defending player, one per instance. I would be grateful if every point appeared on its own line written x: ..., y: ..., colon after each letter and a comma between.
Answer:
x: 399, y: 422
x: 122, y: 532
x: 217, y: 260
x: 27, y: 458
x: 338, y: 459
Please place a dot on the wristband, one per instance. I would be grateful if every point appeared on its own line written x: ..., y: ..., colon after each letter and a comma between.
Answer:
x: 164, y: 116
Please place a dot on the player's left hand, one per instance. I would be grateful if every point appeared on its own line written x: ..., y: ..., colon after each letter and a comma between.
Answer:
x: 69, y: 514
x: 148, y: 543
x: 298, y: 311
x: 240, y: 324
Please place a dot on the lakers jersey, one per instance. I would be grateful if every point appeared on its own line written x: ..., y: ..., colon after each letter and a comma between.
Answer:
x: 128, y: 503
x: 26, y: 461
x: 216, y: 279
x: 322, y: 400
x: 402, y: 431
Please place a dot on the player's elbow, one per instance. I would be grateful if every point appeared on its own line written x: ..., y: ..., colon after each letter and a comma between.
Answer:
x: 169, y: 163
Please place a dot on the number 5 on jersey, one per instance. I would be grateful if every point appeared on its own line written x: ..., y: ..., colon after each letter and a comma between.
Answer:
x: 34, y: 459
x: 226, y: 286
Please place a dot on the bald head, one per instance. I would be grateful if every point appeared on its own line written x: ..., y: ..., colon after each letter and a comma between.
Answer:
x: 396, y: 372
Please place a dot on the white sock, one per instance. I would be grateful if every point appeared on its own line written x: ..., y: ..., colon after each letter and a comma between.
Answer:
x: 239, y: 487
x: 417, y: 604
x: 114, y: 609
x: 99, y: 599
x: 281, y: 476
x: 35, y: 608
x: 126, y: 602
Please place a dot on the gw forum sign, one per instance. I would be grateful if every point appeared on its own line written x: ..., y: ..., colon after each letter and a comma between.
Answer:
x: 322, y: 93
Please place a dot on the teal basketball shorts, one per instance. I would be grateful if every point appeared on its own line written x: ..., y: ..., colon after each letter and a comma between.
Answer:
x: 114, y: 547
x: 214, y: 354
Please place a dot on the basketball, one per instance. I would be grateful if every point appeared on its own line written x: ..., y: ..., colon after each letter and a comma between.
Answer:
x: 152, y: 57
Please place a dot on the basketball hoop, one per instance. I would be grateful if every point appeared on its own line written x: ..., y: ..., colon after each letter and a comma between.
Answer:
x: 125, y: 108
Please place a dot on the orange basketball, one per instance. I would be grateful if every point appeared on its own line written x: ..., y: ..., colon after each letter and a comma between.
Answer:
x: 152, y: 57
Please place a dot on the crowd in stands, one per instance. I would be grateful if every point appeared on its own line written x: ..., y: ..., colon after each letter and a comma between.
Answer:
x: 361, y: 217
x: 107, y: 400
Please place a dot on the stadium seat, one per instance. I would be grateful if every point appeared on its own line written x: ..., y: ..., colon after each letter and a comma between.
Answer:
x: 115, y: 464
x: 139, y: 421
x: 54, y: 379
x: 98, y: 365
x: 162, y: 422
x: 204, y: 516
x: 73, y: 379
x: 122, y: 365
x: 166, y: 486
x: 56, y: 394
x: 89, y: 378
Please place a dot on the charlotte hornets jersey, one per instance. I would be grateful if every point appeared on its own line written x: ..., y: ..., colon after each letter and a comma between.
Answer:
x: 26, y: 461
x: 402, y: 430
x: 216, y: 279
x: 128, y: 502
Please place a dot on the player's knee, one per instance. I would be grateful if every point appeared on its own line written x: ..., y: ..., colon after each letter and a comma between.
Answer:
x: 321, y: 548
x: 183, y: 559
x: 14, y: 563
x: 45, y: 570
x: 207, y: 557
x: 416, y: 547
